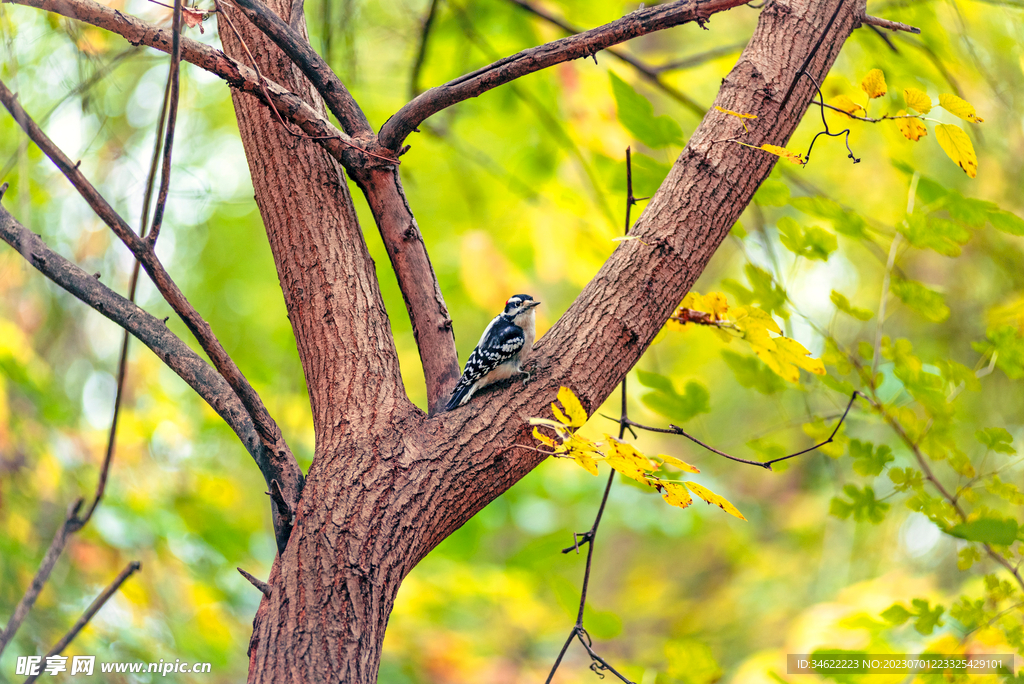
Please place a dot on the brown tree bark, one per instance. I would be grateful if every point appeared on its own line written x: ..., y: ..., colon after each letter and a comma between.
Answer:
x: 388, y: 483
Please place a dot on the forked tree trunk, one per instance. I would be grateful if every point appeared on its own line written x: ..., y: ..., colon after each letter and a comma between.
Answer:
x: 388, y: 483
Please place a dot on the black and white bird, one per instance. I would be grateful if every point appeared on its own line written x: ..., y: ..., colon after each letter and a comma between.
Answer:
x: 503, y: 347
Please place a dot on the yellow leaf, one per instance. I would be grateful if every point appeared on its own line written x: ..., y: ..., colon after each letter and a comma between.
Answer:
x: 794, y: 157
x: 917, y: 100
x: 585, y: 460
x: 874, y: 84
x: 795, y: 353
x: 955, y: 143
x: 732, y: 113
x: 958, y: 107
x: 845, y: 104
x: 693, y: 300
x: 577, y: 416
x: 747, y: 318
x: 627, y: 460
x: 562, y: 418
x: 912, y: 129
x: 712, y: 498
x: 676, y: 463
x: 543, y: 439
x: 676, y: 494
x: 716, y: 304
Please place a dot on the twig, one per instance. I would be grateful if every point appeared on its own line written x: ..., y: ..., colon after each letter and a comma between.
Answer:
x: 578, y: 632
x: 264, y: 588
x: 421, y: 51
x: 638, y: 23
x: 174, y: 87
x: 42, y: 574
x: 886, y: 39
x: 93, y: 608
x: 767, y: 465
x: 649, y: 72
x: 889, y: 24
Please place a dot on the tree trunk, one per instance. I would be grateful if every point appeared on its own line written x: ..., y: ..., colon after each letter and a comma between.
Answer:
x: 387, y: 482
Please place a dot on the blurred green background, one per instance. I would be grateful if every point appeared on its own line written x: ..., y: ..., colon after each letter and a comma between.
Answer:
x: 523, y: 190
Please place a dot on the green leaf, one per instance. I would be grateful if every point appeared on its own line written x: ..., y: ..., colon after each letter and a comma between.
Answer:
x: 997, y: 439
x: 863, y: 505
x: 941, y: 235
x: 1007, y: 222
x: 1002, y: 531
x: 811, y: 243
x: 753, y: 374
x: 967, y: 210
x: 637, y: 114
x: 896, y: 614
x: 772, y: 193
x: 927, y: 618
x: 869, y: 460
x: 665, y: 400
x: 843, y: 304
x: 904, y: 479
x: 921, y: 299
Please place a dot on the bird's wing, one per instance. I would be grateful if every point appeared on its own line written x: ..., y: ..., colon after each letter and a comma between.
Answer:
x: 482, y: 361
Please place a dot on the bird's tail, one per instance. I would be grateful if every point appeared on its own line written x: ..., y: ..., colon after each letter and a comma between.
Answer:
x: 458, y: 394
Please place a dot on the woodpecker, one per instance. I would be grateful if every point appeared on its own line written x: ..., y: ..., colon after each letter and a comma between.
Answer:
x: 506, y: 342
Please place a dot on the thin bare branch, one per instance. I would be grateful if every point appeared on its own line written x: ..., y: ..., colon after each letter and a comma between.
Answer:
x: 767, y: 465
x: 889, y: 24
x: 421, y: 51
x: 49, y: 559
x: 264, y: 588
x: 284, y: 467
x: 171, y: 112
x: 298, y: 49
x: 649, y: 73
x: 638, y: 23
x: 93, y: 608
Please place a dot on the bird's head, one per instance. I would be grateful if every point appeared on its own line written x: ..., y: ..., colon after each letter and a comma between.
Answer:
x: 519, y: 307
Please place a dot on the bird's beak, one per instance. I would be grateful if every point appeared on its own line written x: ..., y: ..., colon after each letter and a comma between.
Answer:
x: 533, y: 304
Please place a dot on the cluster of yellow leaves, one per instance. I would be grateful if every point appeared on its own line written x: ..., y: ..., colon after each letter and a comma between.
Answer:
x: 621, y: 456
x: 752, y: 324
x: 952, y: 139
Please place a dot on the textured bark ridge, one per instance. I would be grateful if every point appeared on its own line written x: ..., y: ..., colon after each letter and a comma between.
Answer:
x: 387, y: 482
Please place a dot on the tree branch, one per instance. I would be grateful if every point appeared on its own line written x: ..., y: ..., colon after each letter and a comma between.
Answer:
x: 650, y: 74
x: 52, y: 553
x: 298, y: 49
x: 93, y: 608
x: 153, y: 333
x: 585, y: 44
